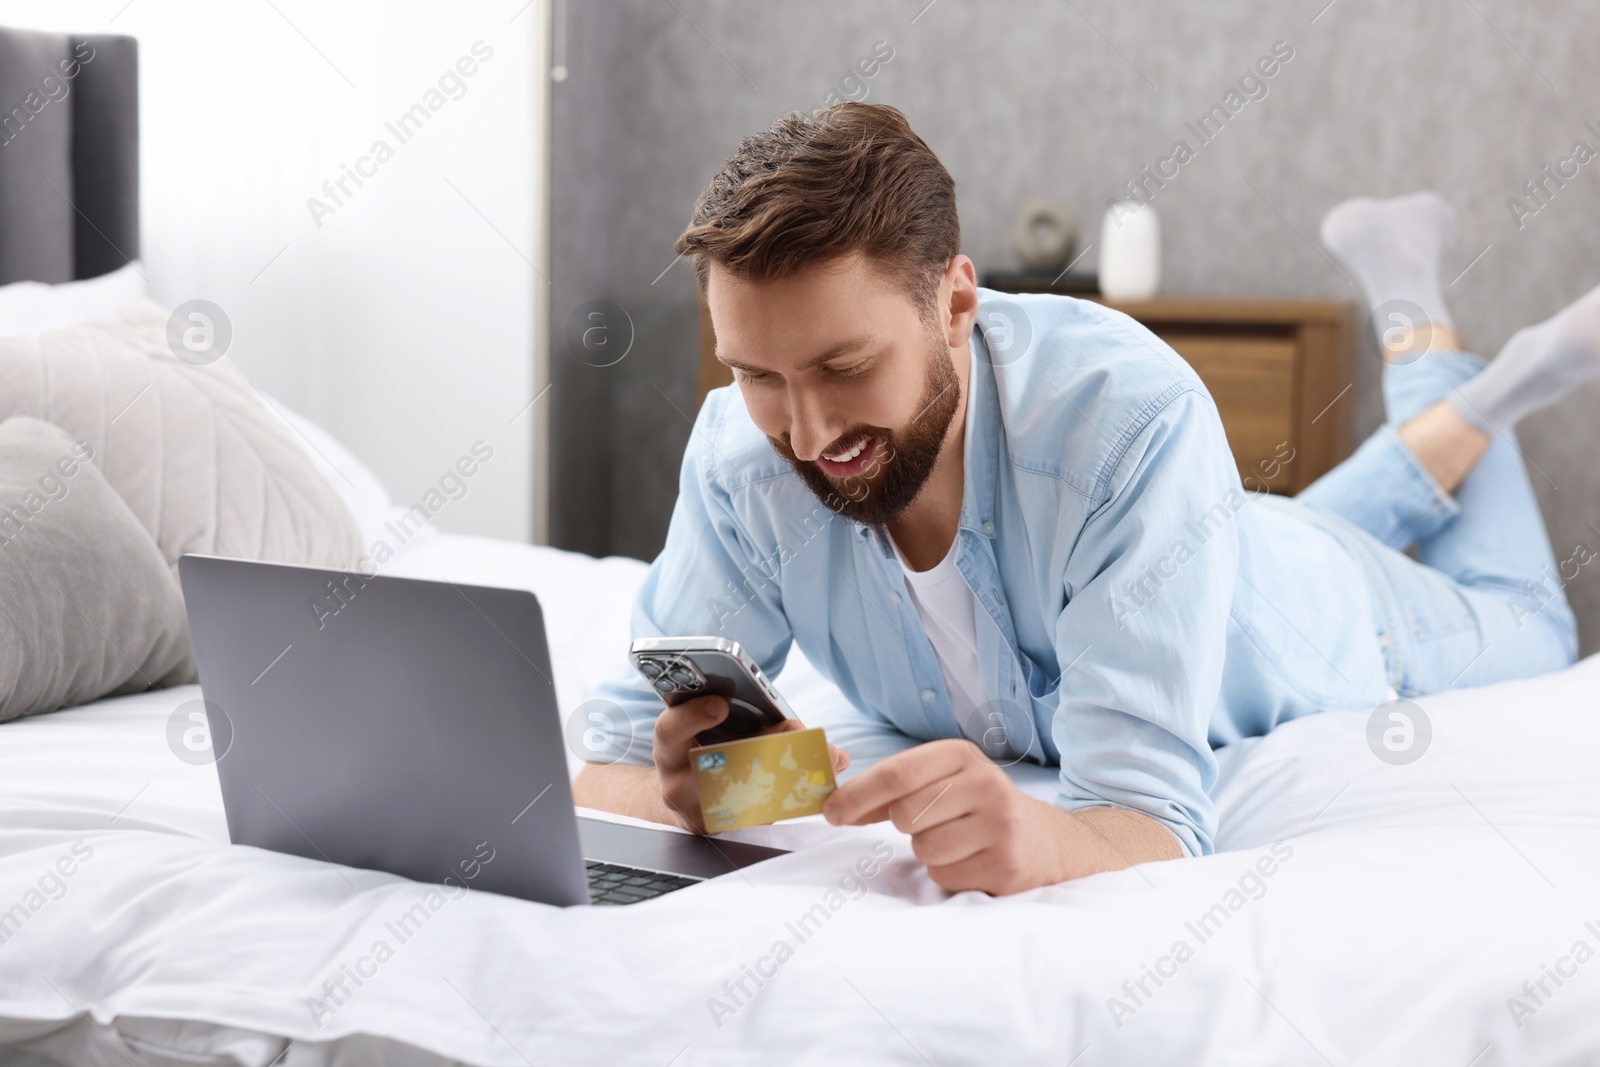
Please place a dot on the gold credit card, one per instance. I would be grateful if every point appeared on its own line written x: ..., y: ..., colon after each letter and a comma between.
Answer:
x: 762, y: 779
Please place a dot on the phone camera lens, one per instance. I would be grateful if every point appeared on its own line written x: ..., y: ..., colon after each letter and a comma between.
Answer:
x: 650, y: 669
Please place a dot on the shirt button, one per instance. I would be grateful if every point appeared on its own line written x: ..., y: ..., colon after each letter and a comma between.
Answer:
x: 894, y: 598
x: 988, y: 528
x: 927, y: 696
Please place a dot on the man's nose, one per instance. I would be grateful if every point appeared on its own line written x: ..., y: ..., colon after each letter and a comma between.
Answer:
x: 811, y: 429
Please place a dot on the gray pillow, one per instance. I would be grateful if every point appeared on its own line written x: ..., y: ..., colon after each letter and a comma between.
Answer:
x: 202, y: 465
x: 88, y: 606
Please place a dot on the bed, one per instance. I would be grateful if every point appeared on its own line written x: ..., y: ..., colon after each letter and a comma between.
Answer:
x: 1356, y: 911
x: 1438, y: 912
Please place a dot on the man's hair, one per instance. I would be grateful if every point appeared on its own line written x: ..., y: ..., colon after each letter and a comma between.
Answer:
x: 851, y: 178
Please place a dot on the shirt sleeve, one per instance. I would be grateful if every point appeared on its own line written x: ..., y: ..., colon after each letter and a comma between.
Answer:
x: 708, y: 580
x: 1141, y: 640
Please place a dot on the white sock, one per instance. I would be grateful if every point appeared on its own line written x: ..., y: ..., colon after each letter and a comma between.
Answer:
x: 1537, y: 367
x: 1394, y: 248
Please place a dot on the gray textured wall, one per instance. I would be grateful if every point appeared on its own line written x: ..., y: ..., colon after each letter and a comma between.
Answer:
x: 1025, y: 98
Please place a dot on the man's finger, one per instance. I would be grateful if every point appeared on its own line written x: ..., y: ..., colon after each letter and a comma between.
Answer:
x: 865, y: 818
x: 677, y: 726
x: 933, y: 805
x: 840, y: 758
x: 988, y: 870
x: 949, y: 843
x: 864, y: 799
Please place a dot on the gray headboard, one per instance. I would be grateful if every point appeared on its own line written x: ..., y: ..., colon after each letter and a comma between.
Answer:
x: 69, y: 155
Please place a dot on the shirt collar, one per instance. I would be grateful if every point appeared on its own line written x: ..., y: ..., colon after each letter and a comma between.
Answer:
x: 980, y: 494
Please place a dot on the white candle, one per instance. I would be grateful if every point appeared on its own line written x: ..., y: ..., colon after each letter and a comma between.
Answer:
x: 1130, y: 251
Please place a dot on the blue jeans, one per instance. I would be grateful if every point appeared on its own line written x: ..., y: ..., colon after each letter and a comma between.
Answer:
x: 1483, y: 600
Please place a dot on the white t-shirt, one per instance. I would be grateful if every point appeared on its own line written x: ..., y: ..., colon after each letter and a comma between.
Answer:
x: 949, y: 614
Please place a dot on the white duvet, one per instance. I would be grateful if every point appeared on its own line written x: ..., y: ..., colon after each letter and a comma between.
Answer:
x: 1444, y: 912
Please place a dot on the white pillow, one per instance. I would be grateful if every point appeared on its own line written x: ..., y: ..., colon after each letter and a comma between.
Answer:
x: 188, y: 448
x: 362, y: 491
x: 34, y: 307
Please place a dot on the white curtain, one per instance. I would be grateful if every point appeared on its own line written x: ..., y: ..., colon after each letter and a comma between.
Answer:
x: 360, y: 186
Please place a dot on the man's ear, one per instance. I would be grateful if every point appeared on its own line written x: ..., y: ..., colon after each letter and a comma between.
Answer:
x: 959, y: 299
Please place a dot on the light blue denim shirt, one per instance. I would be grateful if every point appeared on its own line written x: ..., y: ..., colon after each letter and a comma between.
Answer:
x: 1138, y: 605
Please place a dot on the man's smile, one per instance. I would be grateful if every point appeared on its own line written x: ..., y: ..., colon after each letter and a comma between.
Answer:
x: 852, y: 460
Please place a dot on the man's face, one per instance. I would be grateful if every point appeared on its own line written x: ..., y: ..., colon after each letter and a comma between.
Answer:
x: 846, y: 376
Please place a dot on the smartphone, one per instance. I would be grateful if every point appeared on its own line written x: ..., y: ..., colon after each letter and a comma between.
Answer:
x: 683, y: 668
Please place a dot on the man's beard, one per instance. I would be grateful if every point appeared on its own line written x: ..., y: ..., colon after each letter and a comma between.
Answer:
x: 878, y: 495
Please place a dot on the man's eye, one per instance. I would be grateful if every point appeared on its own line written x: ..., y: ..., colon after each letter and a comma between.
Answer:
x: 752, y: 377
x: 848, y: 372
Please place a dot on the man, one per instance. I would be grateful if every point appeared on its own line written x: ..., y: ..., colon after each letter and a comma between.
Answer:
x: 1012, y: 528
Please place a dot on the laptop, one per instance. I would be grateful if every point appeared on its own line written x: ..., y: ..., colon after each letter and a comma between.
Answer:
x: 410, y: 726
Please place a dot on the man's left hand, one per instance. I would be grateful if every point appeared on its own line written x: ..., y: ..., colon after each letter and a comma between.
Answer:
x: 968, y: 822
x: 976, y: 830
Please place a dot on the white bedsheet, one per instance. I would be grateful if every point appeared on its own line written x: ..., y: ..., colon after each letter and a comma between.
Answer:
x: 1405, y: 907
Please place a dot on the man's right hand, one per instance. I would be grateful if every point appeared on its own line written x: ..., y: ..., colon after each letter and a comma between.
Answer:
x: 676, y: 728
x: 626, y: 789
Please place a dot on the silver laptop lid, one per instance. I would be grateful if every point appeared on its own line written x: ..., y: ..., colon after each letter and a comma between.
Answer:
x: 391, y: 723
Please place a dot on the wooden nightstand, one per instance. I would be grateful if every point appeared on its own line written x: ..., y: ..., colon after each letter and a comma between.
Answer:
x: 1281, y: 371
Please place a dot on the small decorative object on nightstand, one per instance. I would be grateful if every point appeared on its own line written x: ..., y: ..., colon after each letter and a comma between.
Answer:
x: 1044, y: 237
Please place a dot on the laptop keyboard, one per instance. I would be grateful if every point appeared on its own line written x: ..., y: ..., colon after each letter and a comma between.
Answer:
x: 611, y: 883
